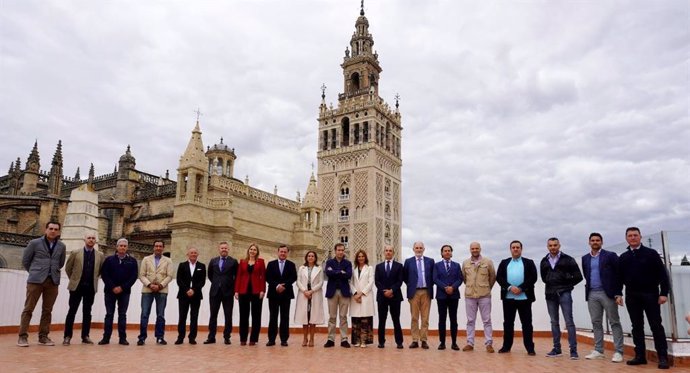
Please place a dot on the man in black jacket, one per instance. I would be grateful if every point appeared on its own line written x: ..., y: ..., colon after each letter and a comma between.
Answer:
x: 646, y: 289
x: 191, y: 278
x: 560, y: 273
x: 516, y: 276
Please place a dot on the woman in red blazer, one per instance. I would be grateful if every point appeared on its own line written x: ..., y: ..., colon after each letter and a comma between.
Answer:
x: 250, y: 287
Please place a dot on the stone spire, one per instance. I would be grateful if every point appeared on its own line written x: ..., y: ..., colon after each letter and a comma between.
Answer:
x: 33, y: 163
x: 311, y: 197
x: 55, y: 177
x: 194, y: 156
x: 77, y: 176
x: 92, y: 174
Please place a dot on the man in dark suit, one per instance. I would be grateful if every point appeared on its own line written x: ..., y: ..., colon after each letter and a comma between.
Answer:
x: 516, y: 276
x: 646, y: 289
x: 339, y: 272
x: 418, y: 274
x: 447, y: 278
x: 281, y: 274
x: 602, y: 286
x: 43, y: 257
x: 222, y: 271
x: 191, y: 278
x: 388, y: 278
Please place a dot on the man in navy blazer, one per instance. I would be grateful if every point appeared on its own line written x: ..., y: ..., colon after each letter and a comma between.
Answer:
x: 222, y: 272
x: 447, y: 278
x: 281, y: 274
x: 388, y: 278
x: 339, y: 272
x: 602, y: 285
x: 191, y: 278
x: 418, y: 274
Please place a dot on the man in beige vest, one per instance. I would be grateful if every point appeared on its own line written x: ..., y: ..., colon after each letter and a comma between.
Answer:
x: 480, y: 277
x: 155, y: 273
x: 83, y: 269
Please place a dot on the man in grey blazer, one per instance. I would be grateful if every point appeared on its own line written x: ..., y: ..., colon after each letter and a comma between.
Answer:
x: 43, y: 257
x: 83, y: 269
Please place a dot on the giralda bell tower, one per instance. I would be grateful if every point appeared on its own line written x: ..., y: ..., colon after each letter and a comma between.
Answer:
x: 359, y: 160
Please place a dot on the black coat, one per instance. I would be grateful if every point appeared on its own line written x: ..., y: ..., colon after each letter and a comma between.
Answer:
x: 222, y: 283
x: 527, y: 285
x: 273, y: 278
x: 195, y: 281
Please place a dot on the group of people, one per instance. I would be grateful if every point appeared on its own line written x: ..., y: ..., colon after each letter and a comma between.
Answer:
x: 355, y: 290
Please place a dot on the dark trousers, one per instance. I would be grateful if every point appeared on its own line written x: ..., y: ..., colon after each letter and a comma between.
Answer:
x: 278, y: 307
x: 122, y: 301
x: 215, y: 303
x: 87, y: 294
x: 524, y: 309
x: 184, y: 306
x: 384, y: 307
x: 447, y: 307
x: 250, y: 303
x: 639, y: 304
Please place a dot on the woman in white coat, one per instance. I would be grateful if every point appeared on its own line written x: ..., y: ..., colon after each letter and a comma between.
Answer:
x: 362, y: 300
x: 309, y: 304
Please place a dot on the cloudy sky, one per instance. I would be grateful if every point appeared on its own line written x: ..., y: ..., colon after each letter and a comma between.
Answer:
x: 522, y: 120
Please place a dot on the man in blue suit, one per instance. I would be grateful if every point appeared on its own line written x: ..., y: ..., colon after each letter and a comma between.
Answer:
x: 601, y: 288
x: 418, y: 273
x: 447, y: 278
x: 388, y: 278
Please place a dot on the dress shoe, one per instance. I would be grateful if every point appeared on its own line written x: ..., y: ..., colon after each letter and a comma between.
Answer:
x: 66, y: 341
x: 209, y: 341
x: 227, y: 341
x: 284, y: 344
x: 45, y: 341
x: 504, y: 350
x: 23, y: 342
x: 442, y: 346
x: 103, y: 342
x: 329, y: 343
x: 455, y: 347
x: 530, y: 353
x: 414, y: 345
x: 400, y: 346
x: 179, y: 341
x: 468, y: 348
x: 270, y: 343
x: 161, y: 341
x: 663, y: 363
x: 243, y: 343
x: 425, y: 345
x: 637, y: 361
x: 140, y: 342
x: 86, y: 341
x: 490, y: 349
x: 125, y: 343
x: 192, y: 341
x: 345, y: 344
x: 381, y: 345
x: 252, y: 343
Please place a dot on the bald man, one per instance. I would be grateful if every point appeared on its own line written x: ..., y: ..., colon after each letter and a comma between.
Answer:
x: 480, y: 277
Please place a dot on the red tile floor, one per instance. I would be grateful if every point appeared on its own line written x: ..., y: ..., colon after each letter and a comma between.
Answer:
x: 294, y: 358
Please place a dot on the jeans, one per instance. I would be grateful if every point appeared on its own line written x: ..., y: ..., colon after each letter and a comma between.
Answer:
x: 597, y: 302
x: 122, y: 301
x: 87, y: 293
x: 565, y: 301
x: 146, y: 303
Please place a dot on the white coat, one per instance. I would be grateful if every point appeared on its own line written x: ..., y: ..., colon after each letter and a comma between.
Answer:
x: 362, y: 283
x: 317, y: 313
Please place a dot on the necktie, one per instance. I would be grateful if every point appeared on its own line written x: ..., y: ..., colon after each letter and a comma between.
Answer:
x: 420, y: 273
x: 222, y: 263
x: 447, y: 266
x: 388, y: 267
x: 282, y: 265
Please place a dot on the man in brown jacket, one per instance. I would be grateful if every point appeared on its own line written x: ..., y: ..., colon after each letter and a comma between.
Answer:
x: 480, y: 276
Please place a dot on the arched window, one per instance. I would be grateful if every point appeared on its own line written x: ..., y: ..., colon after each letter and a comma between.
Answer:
x: 344, y: 192
x: 354, y: 82
x: 344, y: 214
x: 345, y: 126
